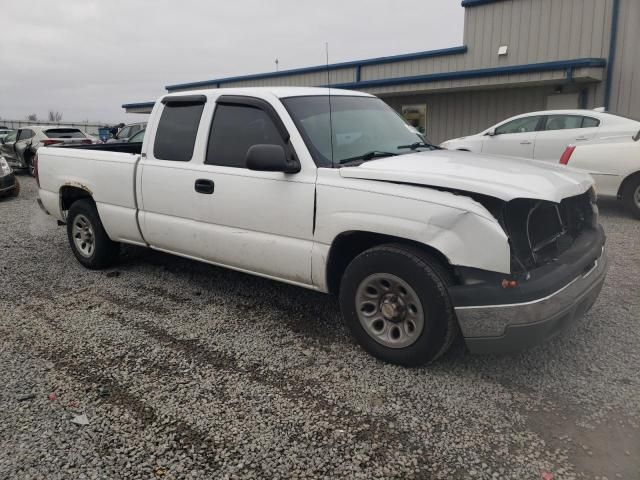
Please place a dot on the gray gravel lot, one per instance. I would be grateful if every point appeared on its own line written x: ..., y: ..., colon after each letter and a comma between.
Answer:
x: 185, y: 370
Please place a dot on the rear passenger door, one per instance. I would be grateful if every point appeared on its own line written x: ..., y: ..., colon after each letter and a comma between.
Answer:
x: 559, y: 131
x: 213, y: 208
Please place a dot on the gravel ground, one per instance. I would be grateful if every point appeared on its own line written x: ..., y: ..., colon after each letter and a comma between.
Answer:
x: 185, y: 370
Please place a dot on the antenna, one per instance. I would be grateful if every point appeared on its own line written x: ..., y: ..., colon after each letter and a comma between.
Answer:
x: 326, y: 48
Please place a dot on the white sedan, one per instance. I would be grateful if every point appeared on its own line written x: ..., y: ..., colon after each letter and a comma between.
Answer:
x: 545, y: 135
x: 615, y: 166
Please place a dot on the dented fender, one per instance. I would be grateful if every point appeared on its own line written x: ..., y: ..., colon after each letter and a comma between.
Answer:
x: 457, y: 226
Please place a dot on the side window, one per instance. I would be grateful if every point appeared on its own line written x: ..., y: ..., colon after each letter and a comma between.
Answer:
x: 26, y: 134
x: 235, y: 129
x: 124, y: 133
x: 563, y: 122
x: 177, y: 130
x: 588, y: 122
x: 520, y: 125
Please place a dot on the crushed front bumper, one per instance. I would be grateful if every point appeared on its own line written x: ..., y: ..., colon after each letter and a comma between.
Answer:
x: 508, y: 327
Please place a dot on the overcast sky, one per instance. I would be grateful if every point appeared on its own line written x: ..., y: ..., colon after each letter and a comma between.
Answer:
x: 85, y: 58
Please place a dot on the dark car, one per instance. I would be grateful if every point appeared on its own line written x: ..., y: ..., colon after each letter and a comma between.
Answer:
x: 9, y: 184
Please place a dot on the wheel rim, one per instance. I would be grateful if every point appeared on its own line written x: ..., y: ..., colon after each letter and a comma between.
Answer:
x: 389, y: 310
x: 636, y: 197
x: 83, y: 237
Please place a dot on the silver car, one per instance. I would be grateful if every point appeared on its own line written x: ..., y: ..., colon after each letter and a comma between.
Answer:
x: 20, y: 149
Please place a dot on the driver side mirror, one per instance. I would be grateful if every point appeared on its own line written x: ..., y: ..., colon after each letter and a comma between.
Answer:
x: 491, y: 133
x: 270, y: 158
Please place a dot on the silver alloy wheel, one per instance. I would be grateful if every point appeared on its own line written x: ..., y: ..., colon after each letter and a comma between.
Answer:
x: 636, y: 197
x: 389, y: 310
x: 83, y: 237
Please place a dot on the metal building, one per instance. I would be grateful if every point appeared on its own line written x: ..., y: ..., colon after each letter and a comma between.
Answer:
x: 517, y: 56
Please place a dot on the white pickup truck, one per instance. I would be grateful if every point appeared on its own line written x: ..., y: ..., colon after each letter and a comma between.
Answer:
x: 333, y: 191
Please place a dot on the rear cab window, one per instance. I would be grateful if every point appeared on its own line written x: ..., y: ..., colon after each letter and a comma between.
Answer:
x: 178, y: 127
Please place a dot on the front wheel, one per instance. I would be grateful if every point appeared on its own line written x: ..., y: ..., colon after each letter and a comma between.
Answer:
x: 631, y: 196
x: 88, y: 240
x: 395, y: 302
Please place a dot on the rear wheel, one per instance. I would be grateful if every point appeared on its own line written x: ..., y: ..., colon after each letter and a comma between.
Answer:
x: 88, y: 240
x: 631, y: 196
x: 395, y: 302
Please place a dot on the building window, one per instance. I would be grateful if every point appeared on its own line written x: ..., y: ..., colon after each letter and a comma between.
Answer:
x: 416, y: 116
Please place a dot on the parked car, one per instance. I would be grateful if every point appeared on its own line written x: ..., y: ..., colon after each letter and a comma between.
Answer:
x: 4, y: 132
x: 7, y: 149
x: 127, y: 132
x: 417, y: 242
x: 545, y: 135
x: 21, y: 150
x: 137, y: 138
x: 615, y: 167
x: 9, y: 184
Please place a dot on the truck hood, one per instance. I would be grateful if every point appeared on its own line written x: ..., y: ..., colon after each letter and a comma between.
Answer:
x: 498, y: 176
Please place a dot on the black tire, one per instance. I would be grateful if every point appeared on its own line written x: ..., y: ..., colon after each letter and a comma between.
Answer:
x: 631, y: 196
x: 429, y: 280
x: 16, y: 190
x: 28, y: 157
x: 105, y: 251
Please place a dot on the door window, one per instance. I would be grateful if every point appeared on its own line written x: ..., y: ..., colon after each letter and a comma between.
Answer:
x: 565, y: 122
x: 588, y: 122
x: 10, y: 137
x: 177, y: 130
x: 520, y: 125
x: 235, y: 129
x: 26, y: 134
x: 124, y: 133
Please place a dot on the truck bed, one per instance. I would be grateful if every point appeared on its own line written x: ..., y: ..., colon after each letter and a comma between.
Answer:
x: 106, y: 172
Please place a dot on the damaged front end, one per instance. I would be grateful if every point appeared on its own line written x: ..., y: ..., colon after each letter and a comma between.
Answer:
x: 539, y: 231
x: 558, y: 266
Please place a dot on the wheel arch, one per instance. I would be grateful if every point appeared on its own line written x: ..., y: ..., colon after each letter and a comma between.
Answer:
x: 627, y: 180
x: 348, y: 245
x: 71, y: 193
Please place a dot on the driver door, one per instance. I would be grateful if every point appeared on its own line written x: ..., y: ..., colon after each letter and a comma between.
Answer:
x: 516, y: 138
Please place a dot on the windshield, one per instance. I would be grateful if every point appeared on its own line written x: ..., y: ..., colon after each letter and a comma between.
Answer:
x: 363, y: 128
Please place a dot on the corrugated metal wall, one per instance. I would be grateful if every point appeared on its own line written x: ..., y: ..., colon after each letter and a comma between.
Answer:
x: 625, y: 91
x: 454, y: 114
x: 536, y: 31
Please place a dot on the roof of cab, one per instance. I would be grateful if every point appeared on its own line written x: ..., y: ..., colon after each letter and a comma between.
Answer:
x: 280, y: 92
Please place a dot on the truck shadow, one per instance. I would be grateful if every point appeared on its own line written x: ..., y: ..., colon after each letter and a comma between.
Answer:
x: 305, y: 312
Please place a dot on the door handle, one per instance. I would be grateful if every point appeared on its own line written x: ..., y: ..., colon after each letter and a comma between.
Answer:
x: 581, y: 138
x: 525, y: 142
x: 205, y: 186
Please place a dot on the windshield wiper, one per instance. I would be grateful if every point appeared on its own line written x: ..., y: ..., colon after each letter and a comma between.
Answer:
x: 368, y: 156
x: 417, y: 145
